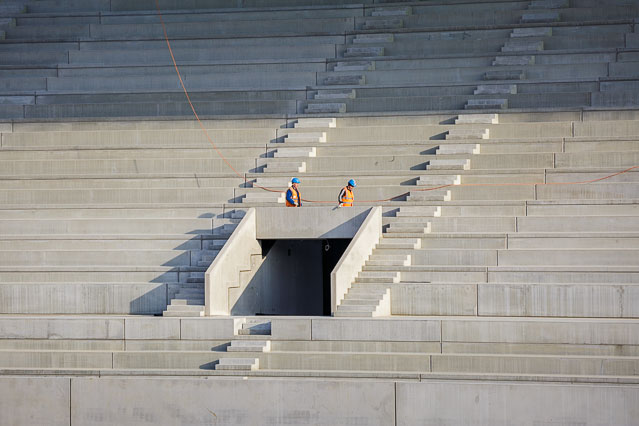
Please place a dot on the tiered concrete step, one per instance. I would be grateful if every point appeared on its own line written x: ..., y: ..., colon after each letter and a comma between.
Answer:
x: 430, y: 195
x: 183, y: 308
x: 354, y: 66
x: 468, y: 133
x: 381, y: 259
x: 477, y: 118
x: 373, y: 38
x: 453, y: 164
x: 522, y: 45
x: 238, y: 364
x: 295, y: 152
x: 438, y: 180
x: 400, y: 242
x: 539, y: 17
x: 264, y: 197
x: 531, y: 32
x: 467, y: 148
x: 335, y: 94
x: 356, y: 51
x: 315, y: 123
x: 325, y: 108
x: 496, y: 89
x: 419, y: 211
x: 310, y: 137
x: 249, y: 346
x: 285, y: 167
x: 487, y: 104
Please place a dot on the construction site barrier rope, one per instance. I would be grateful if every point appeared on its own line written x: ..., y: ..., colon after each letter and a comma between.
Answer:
x: 241, y: 176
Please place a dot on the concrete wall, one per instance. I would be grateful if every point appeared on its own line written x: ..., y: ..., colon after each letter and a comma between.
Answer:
x: 230, y: 401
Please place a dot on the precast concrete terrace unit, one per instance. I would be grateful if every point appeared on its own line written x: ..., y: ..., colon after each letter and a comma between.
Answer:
x: 488, y: 273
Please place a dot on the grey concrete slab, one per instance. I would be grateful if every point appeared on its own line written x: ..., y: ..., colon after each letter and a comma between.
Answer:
x: 433, y: 299
x: 457, y: 403
x: 19, y: 408
x: 389, y: 330
x: 61, y: 328
x: 151, y: 328
x: 84, y: 298
x: 207, y: 328
x: 279, y: 401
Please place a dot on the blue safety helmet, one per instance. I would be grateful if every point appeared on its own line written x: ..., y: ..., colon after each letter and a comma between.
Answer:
x: 352, y: 183
x: 295, y: 180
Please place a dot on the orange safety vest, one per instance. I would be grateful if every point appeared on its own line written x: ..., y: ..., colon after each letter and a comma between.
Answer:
x: 295, y: 196
x: 348, y: 198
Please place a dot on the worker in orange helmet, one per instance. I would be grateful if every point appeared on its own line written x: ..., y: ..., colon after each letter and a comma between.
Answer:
x: 293, y: 197
x: 346, y: 197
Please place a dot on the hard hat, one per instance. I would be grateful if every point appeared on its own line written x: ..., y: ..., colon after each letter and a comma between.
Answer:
x: 352, y: 183
x: 295, y: 180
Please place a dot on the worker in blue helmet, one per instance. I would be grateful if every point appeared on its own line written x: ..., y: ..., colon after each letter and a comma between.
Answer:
x: 293, y: 197
x: 346, y: 197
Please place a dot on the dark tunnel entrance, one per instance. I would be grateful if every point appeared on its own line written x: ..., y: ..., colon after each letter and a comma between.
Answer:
x: 294, y: 278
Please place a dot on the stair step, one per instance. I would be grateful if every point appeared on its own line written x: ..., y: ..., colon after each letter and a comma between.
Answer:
x: 399, y: 243
x: 436, y: 195
x: 373, y: 38
x: 249, y: 346
x: 383, y: 24
x: 345, y: 313
x: 425, y: 211
x: 354, y: 66
x: 451, y: 164
x: 513, y: 61
x: 311, y: 137
x: 286, y: 167
x: 325, y: 108
x: 264, y: 197
x: 539, y: 17
x: 462, y: 148
x: 487, y: 104
x: 477, y: 118
x: 303, y: 123
x: 401, y: 11
x: 466, y: 133
x: 296, y: 152
x: 436, y: 180
x: 335, y: 94
x: 245, y: 364
x: 548, y: 4
x: 185, y: 308
x: 168, y: 313
x: 531, y: 32
x: 378, y: 277
x: 496, y: 89
x: 356, y: 52
x: 351, y: 80
x: 505, y: 75
x: 523, y: 45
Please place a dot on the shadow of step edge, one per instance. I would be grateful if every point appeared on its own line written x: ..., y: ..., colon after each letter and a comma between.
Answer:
x: 477, y: 118
x: 383, y: 24
x: 496, y: 89
x: 311, y: 137
x: 264, y: 197
x: 452, y: 164
x: 507, y: 60
x: 335, y: 94
x: 239, y: 364
x: 368, y: 51
x: 296, y: 152
x: 419, y: 211
x: 350, y: 80
x: 505, y: 75
x: 249, y: 346
x: 392, y: 11
x: 458, y: 148
x: 373, y: 38
x: 388, y: 242
x: 531, y: 32
x: 255, y: 326
x: 12, y: 9
x: 465, y: 133
x: 548, y: 4
x: 355, y: 66
x: 285, y: 167
x: 303, y: 123
x: 487, y: 104
x: 539, y: 17
x: 522, y: 45
x: 325, y: 108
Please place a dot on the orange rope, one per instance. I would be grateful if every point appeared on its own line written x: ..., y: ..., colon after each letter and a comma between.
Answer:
x: 188, y: 98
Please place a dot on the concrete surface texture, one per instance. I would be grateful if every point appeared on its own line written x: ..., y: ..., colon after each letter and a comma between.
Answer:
x: 494, y: 235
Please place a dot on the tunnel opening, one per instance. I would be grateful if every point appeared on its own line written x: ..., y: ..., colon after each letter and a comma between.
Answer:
x: 293, y: 278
